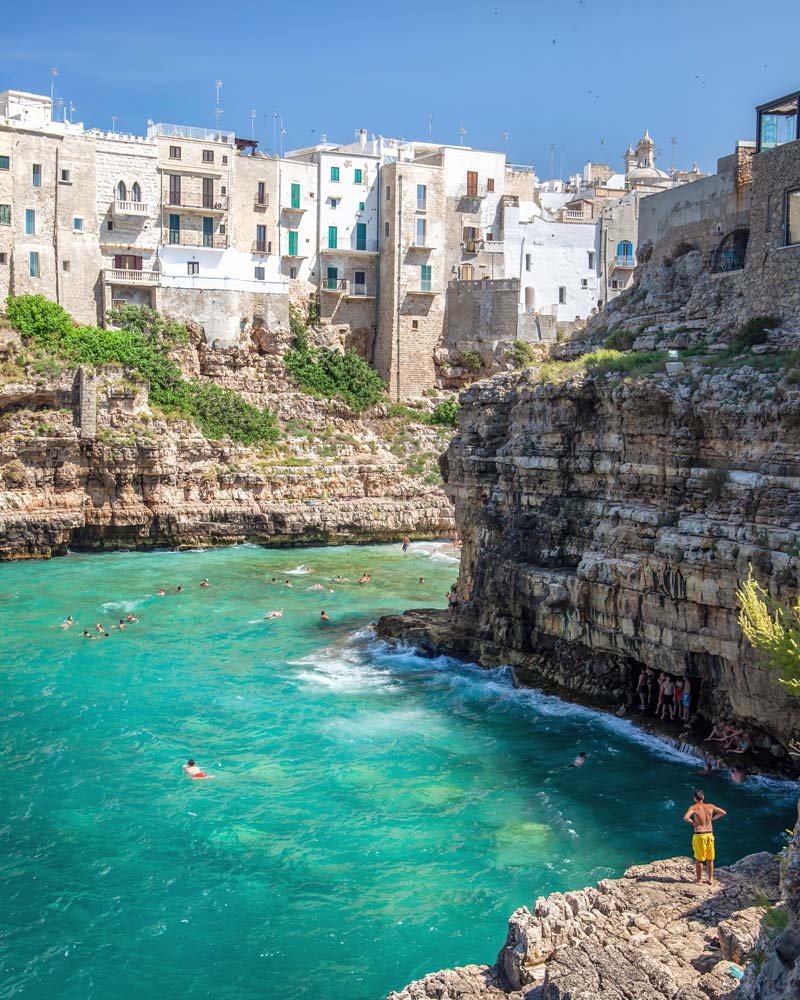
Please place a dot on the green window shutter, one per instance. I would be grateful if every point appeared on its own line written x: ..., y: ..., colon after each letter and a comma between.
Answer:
x: 333, y: 238
x: 361, y: 206
x: 361, y: 236
x: 292, y: 242
x: 334, y: 173
x: 333, y: 278
x: 425, y: 277
x: 174, y: 228
x: 359, y: 176
x: 208, y: 231
x: 295, y: 196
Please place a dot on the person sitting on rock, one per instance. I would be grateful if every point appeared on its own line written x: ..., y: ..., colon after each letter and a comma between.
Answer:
x: 718, y: 734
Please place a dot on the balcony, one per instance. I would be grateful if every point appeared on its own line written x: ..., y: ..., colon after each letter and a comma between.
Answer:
x: 423, y: 288
x: 130, y: 209
x: 296, y: 209
x: 194, y: 238
x: 337, y: 286
x: 470, y: 192
x: 288, y: 255
x: 123, y: 276
x: 626, y: 263
x: 493, y: 246
x: 356, y: 247
x: 470, y: 246
x: 573, y: 213
x: 345, y: 288
x: 212, y: 206
x: 262, y: 202
x: 261, y: 247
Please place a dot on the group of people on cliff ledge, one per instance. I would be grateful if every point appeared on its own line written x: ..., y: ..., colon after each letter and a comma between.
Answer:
x: 666, y: 694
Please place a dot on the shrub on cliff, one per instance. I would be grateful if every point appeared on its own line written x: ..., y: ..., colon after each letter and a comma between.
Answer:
x: 521, y: 354
x: 333, y: 375
x: 753, y: 332
x: 774, y: 629
x: 142, y: 347
x: 445, y: 413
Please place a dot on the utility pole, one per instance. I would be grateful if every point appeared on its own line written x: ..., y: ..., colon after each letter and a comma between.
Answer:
x: 114, y: 124
x: 53, y: 75
x: 274, y: 138
x: 552, y: 157
x: 674, y: 141
x: 283, y: 133
x: 461, y: 133
x: 252, y: 123
x: 430, y: 125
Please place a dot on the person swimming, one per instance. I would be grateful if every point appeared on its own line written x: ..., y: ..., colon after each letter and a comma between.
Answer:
x: 364, y: 578
x: 204, y: 583
x: 86, y: 634
x: 274, y: 579
x: 323, y: 616
x: 67, y: 622
x: 406, y: 543
x: 132, y: 618
x: 315, y: 586
x: 274, y: 614
x: 422, y: 579
x: 580, y: 760
x: 99, y: 628
x: 121, y: 625
x: 160, y: 592
x: 288, y: 583
x: 193, y: 770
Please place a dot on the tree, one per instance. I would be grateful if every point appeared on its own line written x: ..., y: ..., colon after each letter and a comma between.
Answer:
x: 772, y: 628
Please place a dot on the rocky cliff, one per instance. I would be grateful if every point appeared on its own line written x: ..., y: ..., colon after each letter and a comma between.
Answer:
x: 608, y: 518
x: 651, y: 935
x: 86, y: 462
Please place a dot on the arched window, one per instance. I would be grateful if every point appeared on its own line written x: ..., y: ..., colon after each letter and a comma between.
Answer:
x: 122, y: 191
x: 625, y: 253
x: 731, y: 252
x: 136, y: 192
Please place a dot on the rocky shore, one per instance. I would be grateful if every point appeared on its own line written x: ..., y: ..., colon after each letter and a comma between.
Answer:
x: 651, y: 935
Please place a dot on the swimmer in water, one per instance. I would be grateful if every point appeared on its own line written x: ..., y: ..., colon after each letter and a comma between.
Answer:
x: 274, y: 614
x: 738, y: 775
x: 87, y: 635
x: 121, y: 625
x: 132, y: 618
x: 364, y: 578
x: 323, y: 616
x: 422, y: 579
x: 315, y: 586
x: 204, y: 583
x: 288, y: 583
x: 99, y: 628
x: 193, y: 770
x: 274, y: 580
x: 67, y: 622
x: 160, y: 592
x: 580, y: 760
x: 406, y: 543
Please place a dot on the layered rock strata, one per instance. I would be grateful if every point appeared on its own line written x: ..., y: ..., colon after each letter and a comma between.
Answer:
x: 607, y: 522
x: 651, y: 935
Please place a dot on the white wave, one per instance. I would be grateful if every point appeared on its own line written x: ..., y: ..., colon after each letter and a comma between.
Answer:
x: 342, y: 671
x: 128, y: 606
x: 439, y: 551
x: 297, y: 571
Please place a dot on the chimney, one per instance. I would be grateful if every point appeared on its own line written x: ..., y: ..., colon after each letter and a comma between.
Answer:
x: 362, y: 138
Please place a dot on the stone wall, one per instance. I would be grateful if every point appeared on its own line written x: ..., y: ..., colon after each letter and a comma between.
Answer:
x: 222, y: 314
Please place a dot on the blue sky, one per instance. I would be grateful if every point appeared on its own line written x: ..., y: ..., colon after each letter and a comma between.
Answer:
x: 583, y: 75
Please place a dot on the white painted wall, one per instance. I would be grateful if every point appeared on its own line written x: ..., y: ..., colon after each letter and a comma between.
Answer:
x: 457, y: 162
x: 304, y: 174
x: 348, y: 196
x: 220, y: 269
x: 559, y: 256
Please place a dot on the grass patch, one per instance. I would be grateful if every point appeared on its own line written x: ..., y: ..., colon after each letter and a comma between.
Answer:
x: 754, y: 331
x: 603, y: 361
x: 142, y: 345
x: 521, y: 354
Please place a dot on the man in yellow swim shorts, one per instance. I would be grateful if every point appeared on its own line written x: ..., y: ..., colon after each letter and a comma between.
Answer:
x: 702, y: 815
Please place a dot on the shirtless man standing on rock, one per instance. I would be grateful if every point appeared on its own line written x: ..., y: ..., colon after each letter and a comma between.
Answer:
x: 702, y: 815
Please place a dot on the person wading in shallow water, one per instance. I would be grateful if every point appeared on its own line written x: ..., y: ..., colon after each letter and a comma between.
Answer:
x: 702, y: 815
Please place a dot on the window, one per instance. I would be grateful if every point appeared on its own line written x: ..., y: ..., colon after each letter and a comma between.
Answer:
x: 295, y: 198
x: 361, y: 236
x: 122, y: 191
x: 36, y: 178
x: 590, y: 255
x: 419, y: 238
x: 30, y: 222
x: 415, y: 324
x: 358, y: 176
x: 292, y: 242
x: 361, y: 206
x: 334, y: 174
x: 5, y: 162
x: 109, y: 225
x: 65, y: 265
x: 490, y: 183
x: 793, y: 216
x: 127, y: 262
x: 208, y: 156
x: 208, y: 192
x: 224, y: 159
x: 527, y: 262
x: 3, y: 257
x: 584, y: 282
x: 614, y: 283
x: 261, y: 193
x: 386, y: 230
x: 222, y: 228
x: 332, y: 278
x: 562, y: 294
x: 192, y: 266
x: 422, y: 197
x: 65, y: 179
x: 174, y: 189
x: 360, y: 281
x: 174, y: 228
x: 465, y: 272
x: 335, y: 202
x: 292, y: 272
x: 625, y: 253
x: 261, y: 239
x: 5, y: 215
x: 33, y: 264
x: 333, y: 237
x: 388, y: 193
x: 174, y: 152
x: 425, y: 278
x: 208, y: 231
x: 77, y: 225
x: 472, y: 183
x: 136, y: 192
x: 259, y: 273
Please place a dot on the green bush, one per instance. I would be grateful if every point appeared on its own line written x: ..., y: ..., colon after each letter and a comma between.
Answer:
x: 619, y: 339
x: 521, y: 354
x: 149, y: 324
x: 753, y: 332
x: 142, y: 347
x: 297, y: 325
x: 333, y: 375
x: 445, y: 413
x: 470, y: 360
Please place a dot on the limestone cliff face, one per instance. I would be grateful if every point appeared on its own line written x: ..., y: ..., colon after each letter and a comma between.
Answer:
x: 608, y: 520
x: 129, y: 477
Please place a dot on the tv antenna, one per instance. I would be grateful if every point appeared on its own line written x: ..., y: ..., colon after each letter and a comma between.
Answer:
x: 274, y: 138
x: 53, y: 75
x: 252, y: 123
x: 114, y: 124
x: 217, y: 108
x: 552, y: 158
x: 71, y: 112
x: 430, y: 124
x: 674, y: 141
x: 461, y: 133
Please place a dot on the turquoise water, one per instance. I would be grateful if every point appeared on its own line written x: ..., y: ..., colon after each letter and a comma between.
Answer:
x: 370, y: 816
